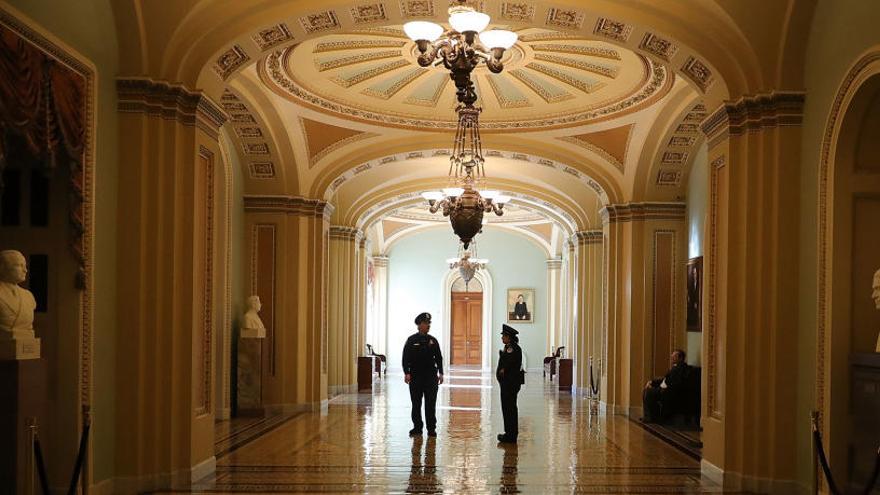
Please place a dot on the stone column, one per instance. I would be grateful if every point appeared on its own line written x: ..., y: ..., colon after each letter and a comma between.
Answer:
x: 380, y: 265
x: 589, y: 306
x: 555, y: 331
x: 169, y: 287
x: 644, y: 260
x: 344, y: 298
x: 750, y: 297
x: 361, y: 314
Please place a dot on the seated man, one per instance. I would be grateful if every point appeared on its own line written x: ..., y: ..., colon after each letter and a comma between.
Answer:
x: 662, y: 396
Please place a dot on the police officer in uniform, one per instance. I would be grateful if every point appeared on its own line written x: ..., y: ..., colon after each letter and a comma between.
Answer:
x: 423, y: 371
x: 510, y: 376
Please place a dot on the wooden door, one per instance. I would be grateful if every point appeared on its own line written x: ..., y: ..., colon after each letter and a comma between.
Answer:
x: 466, y: 345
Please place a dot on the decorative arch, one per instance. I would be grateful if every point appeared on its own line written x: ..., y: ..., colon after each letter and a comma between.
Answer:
x: 832, y: 346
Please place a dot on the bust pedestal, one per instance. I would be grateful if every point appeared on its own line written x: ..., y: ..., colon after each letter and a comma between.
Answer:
x: 22, y: 401
x: 20, y: 348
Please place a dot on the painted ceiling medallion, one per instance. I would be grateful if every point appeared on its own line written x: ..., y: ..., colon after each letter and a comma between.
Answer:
x: 553, y: 81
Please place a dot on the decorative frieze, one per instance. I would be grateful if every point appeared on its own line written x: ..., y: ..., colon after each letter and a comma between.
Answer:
x: 565, y: 18
x: 698, y: 72
x: 262, y: 170
x: 271, y: 37
x: 669, y: 178
x: 417, y: 8
x: 658, y: 46
x: 611, y: 29
x: 523, y: 12
x: 321, y: 21
x: 229, y: 61
x: 371, y: 12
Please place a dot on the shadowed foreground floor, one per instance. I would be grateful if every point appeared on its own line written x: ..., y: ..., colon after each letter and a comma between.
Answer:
x: 360, y: 445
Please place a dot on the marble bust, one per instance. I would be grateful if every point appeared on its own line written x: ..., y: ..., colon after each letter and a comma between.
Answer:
x: 17, y: 307
x: 876, y: 296
x: 252, y: 327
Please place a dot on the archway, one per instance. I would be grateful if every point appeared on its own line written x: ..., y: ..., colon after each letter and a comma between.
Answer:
x: 849, y: 205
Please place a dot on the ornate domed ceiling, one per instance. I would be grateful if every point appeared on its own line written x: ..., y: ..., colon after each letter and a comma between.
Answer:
x: 551, y: 79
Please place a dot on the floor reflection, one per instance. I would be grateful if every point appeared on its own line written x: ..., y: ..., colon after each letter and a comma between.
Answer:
x: 509, y: 467
x: 360, y: 444
x: 423, y: 473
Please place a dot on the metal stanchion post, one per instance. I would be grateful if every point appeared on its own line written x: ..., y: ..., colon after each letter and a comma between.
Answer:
x: 30, y: 472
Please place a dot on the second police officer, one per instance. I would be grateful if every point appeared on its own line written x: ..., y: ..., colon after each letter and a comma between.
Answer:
x: 511, y: 378
x: 423, y: 371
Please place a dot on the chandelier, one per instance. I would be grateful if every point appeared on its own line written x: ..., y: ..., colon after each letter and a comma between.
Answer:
x: 461, y: 48
x: 460, y: 51
x: 467, y: 266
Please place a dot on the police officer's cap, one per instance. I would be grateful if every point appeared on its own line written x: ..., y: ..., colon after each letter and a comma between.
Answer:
x: 423, y: 317
x: 508, y: 330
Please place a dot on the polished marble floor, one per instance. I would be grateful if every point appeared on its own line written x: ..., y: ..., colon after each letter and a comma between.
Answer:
x: 359, y: 444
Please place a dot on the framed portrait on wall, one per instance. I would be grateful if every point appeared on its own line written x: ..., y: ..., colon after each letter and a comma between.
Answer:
x: 520, y: 305
x: 694, y: 294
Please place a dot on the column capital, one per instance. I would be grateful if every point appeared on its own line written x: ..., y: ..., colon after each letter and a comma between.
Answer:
x: 290, y: 205
x: 170, y: 101
x: 343, y: 232
x: 752, y: 113
x: 583, y: 237
x: 554, y: 264
x: 380, y: 261
x: 635, y: 212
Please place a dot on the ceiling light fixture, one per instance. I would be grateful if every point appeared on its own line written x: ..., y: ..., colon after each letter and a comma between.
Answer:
x: 467, y: 264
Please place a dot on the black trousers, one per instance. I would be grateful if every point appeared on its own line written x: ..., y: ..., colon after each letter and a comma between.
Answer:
x: 424, y: 387
x: 509, y: 409
x: 651, y: 404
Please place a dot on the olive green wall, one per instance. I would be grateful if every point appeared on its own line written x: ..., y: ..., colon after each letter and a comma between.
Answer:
x: 87, y: 26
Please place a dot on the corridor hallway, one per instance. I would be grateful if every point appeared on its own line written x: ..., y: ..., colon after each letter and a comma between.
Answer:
x: 360, y: 445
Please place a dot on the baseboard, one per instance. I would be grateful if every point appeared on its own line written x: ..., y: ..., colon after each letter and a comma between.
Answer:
x: 139, y: 484
x: 737, y: 482
x: 712, y: 472
x: 104, y: 487
x: 150, y: 482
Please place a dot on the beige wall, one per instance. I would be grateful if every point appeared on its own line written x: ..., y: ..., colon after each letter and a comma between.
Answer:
x: 87, y: 26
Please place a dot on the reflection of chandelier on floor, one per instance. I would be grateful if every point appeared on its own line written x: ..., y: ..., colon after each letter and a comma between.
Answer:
x: 460, y: 52
x: 467, y: 263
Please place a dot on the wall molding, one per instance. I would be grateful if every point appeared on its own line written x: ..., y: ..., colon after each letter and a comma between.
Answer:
x: 636, y: 212
x: 289, y: 205
x: 753, y: 113
x: 170, y: 101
